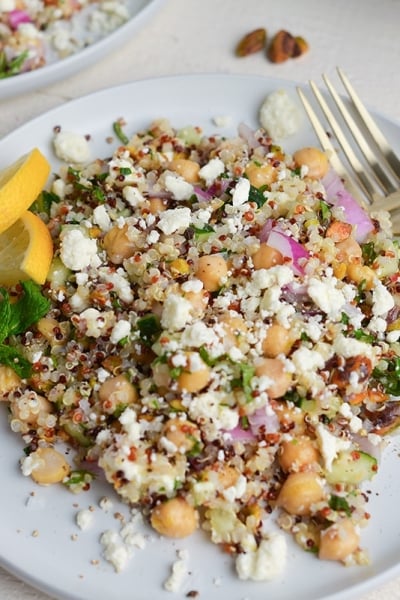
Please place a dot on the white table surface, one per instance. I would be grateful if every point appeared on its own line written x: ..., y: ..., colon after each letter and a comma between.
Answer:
x: 199, y: 36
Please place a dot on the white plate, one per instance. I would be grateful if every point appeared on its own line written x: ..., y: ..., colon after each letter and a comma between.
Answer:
x: 57, y: 69
x: 35, y: 541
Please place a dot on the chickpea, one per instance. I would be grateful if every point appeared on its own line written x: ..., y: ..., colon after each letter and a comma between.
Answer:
x: 235, y: 329
x: 198, y: 300
x: 275, y: 370
x: 54, y: 332
x: 188, y: 169
x: 338, y: 541
x: 300, y: 491
x: 182, y: 433
x: 174, y: 518
x: 361, y: 273
x: 212, y: 270
x: 196, y: 376
x: 156, y: 205
x: 298, y: 454
x: 117, y: 391
x: 118, y: 245
x: 49, y: 466
x: 277, y: 341
x: 227, y: 476
x: 260, y: 175
x: 9, y: 381
x: 348, y: 250
x: 316, y: 161
x: 266, y: 257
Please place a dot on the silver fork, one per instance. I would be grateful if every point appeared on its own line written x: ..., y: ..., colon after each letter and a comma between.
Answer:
x: 376, y: 168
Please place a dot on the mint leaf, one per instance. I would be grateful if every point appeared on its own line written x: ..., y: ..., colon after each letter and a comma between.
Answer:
x: 29, y: 308
x: 11, y: 357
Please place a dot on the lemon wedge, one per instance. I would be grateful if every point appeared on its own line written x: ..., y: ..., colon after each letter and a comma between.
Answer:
x: 26, y: 251
x: 20, y: 185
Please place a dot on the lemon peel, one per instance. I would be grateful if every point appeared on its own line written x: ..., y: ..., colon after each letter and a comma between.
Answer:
x: 20, y: 185
x: 26, y: 251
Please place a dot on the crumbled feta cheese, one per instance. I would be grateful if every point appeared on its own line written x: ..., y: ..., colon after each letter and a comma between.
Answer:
x: 330, y: 445
x: 120, y: 331
x: 213, y: 169
x: 176, y: 312
x: 7, y: 5
x: 382, y: 299
x: 84, y: 518
x: 71, y: 147
x: 114, y: 550
x: 174, y: 219
x: 222, y: 120
x: 181, y: 189
x: 178, y: 574
x: 279, y: 115
x: 77, y: 251
x: 241, y: 192
x: 327, y: 296
x: 101, y: 217
x: 132, y: 195
x: 266, y: 562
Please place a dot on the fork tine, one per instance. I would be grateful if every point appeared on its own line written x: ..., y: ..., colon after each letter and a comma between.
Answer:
x: 328, y: 147
x: 365, y: 180
x: 370, y: 124
x: 382, y: 178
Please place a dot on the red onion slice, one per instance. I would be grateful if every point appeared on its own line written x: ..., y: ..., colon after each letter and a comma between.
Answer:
x: 337, y: 195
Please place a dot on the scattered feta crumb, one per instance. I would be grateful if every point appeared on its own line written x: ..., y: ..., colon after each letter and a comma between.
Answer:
x: 179, y: 572
x: 84, y: 518
x: 279, y: 115
x: 71, y: 147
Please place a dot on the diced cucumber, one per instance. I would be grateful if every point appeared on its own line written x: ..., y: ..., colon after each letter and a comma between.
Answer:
x: 353, y: 467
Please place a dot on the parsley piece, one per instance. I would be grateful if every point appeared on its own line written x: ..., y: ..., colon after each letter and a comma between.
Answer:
x: 204, y: 232
x: 340, y: 504
x: 246, y: 375
x: 16, y: 318
x: 389, y: 377
x: 12, y: 67
x: 368, y: 253
x: 149, y: 329
x: 359, y: 334
x: 257, y: 195
x: 43, y: 202
x: 117, y: 127
x: 325, y: 211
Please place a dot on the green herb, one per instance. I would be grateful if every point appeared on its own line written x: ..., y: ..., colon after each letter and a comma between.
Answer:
x: 294, y: 396
x: 345, y: 319
x: 79, y: 478
x: 257, y: 195
x: 246, y: 376
x: 296, y: 171
x: 359, y: 334
x: 389, y: 377
x: 99, y: 195
x: 117, y: 127
x: 368, y: 253
x: 14, y: 66
x: 149, y: 329
x: 244, y: 422
x: 203, y: 232
x: 325, y: 211
x: 44, y: 202
x: 175, y: 372
x: 125, y: 170
x: 207, y: 358
x: 15, y: 318
x: 340, y: 504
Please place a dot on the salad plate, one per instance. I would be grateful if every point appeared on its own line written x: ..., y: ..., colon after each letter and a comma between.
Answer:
x: 101, y: 44
x: 42, y: 542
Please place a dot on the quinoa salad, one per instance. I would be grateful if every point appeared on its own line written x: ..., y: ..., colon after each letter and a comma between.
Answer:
x: 35, y: 33
x: 218, y: 336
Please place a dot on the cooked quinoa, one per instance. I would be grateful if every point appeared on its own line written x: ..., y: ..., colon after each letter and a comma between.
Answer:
x: 222, y: 342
